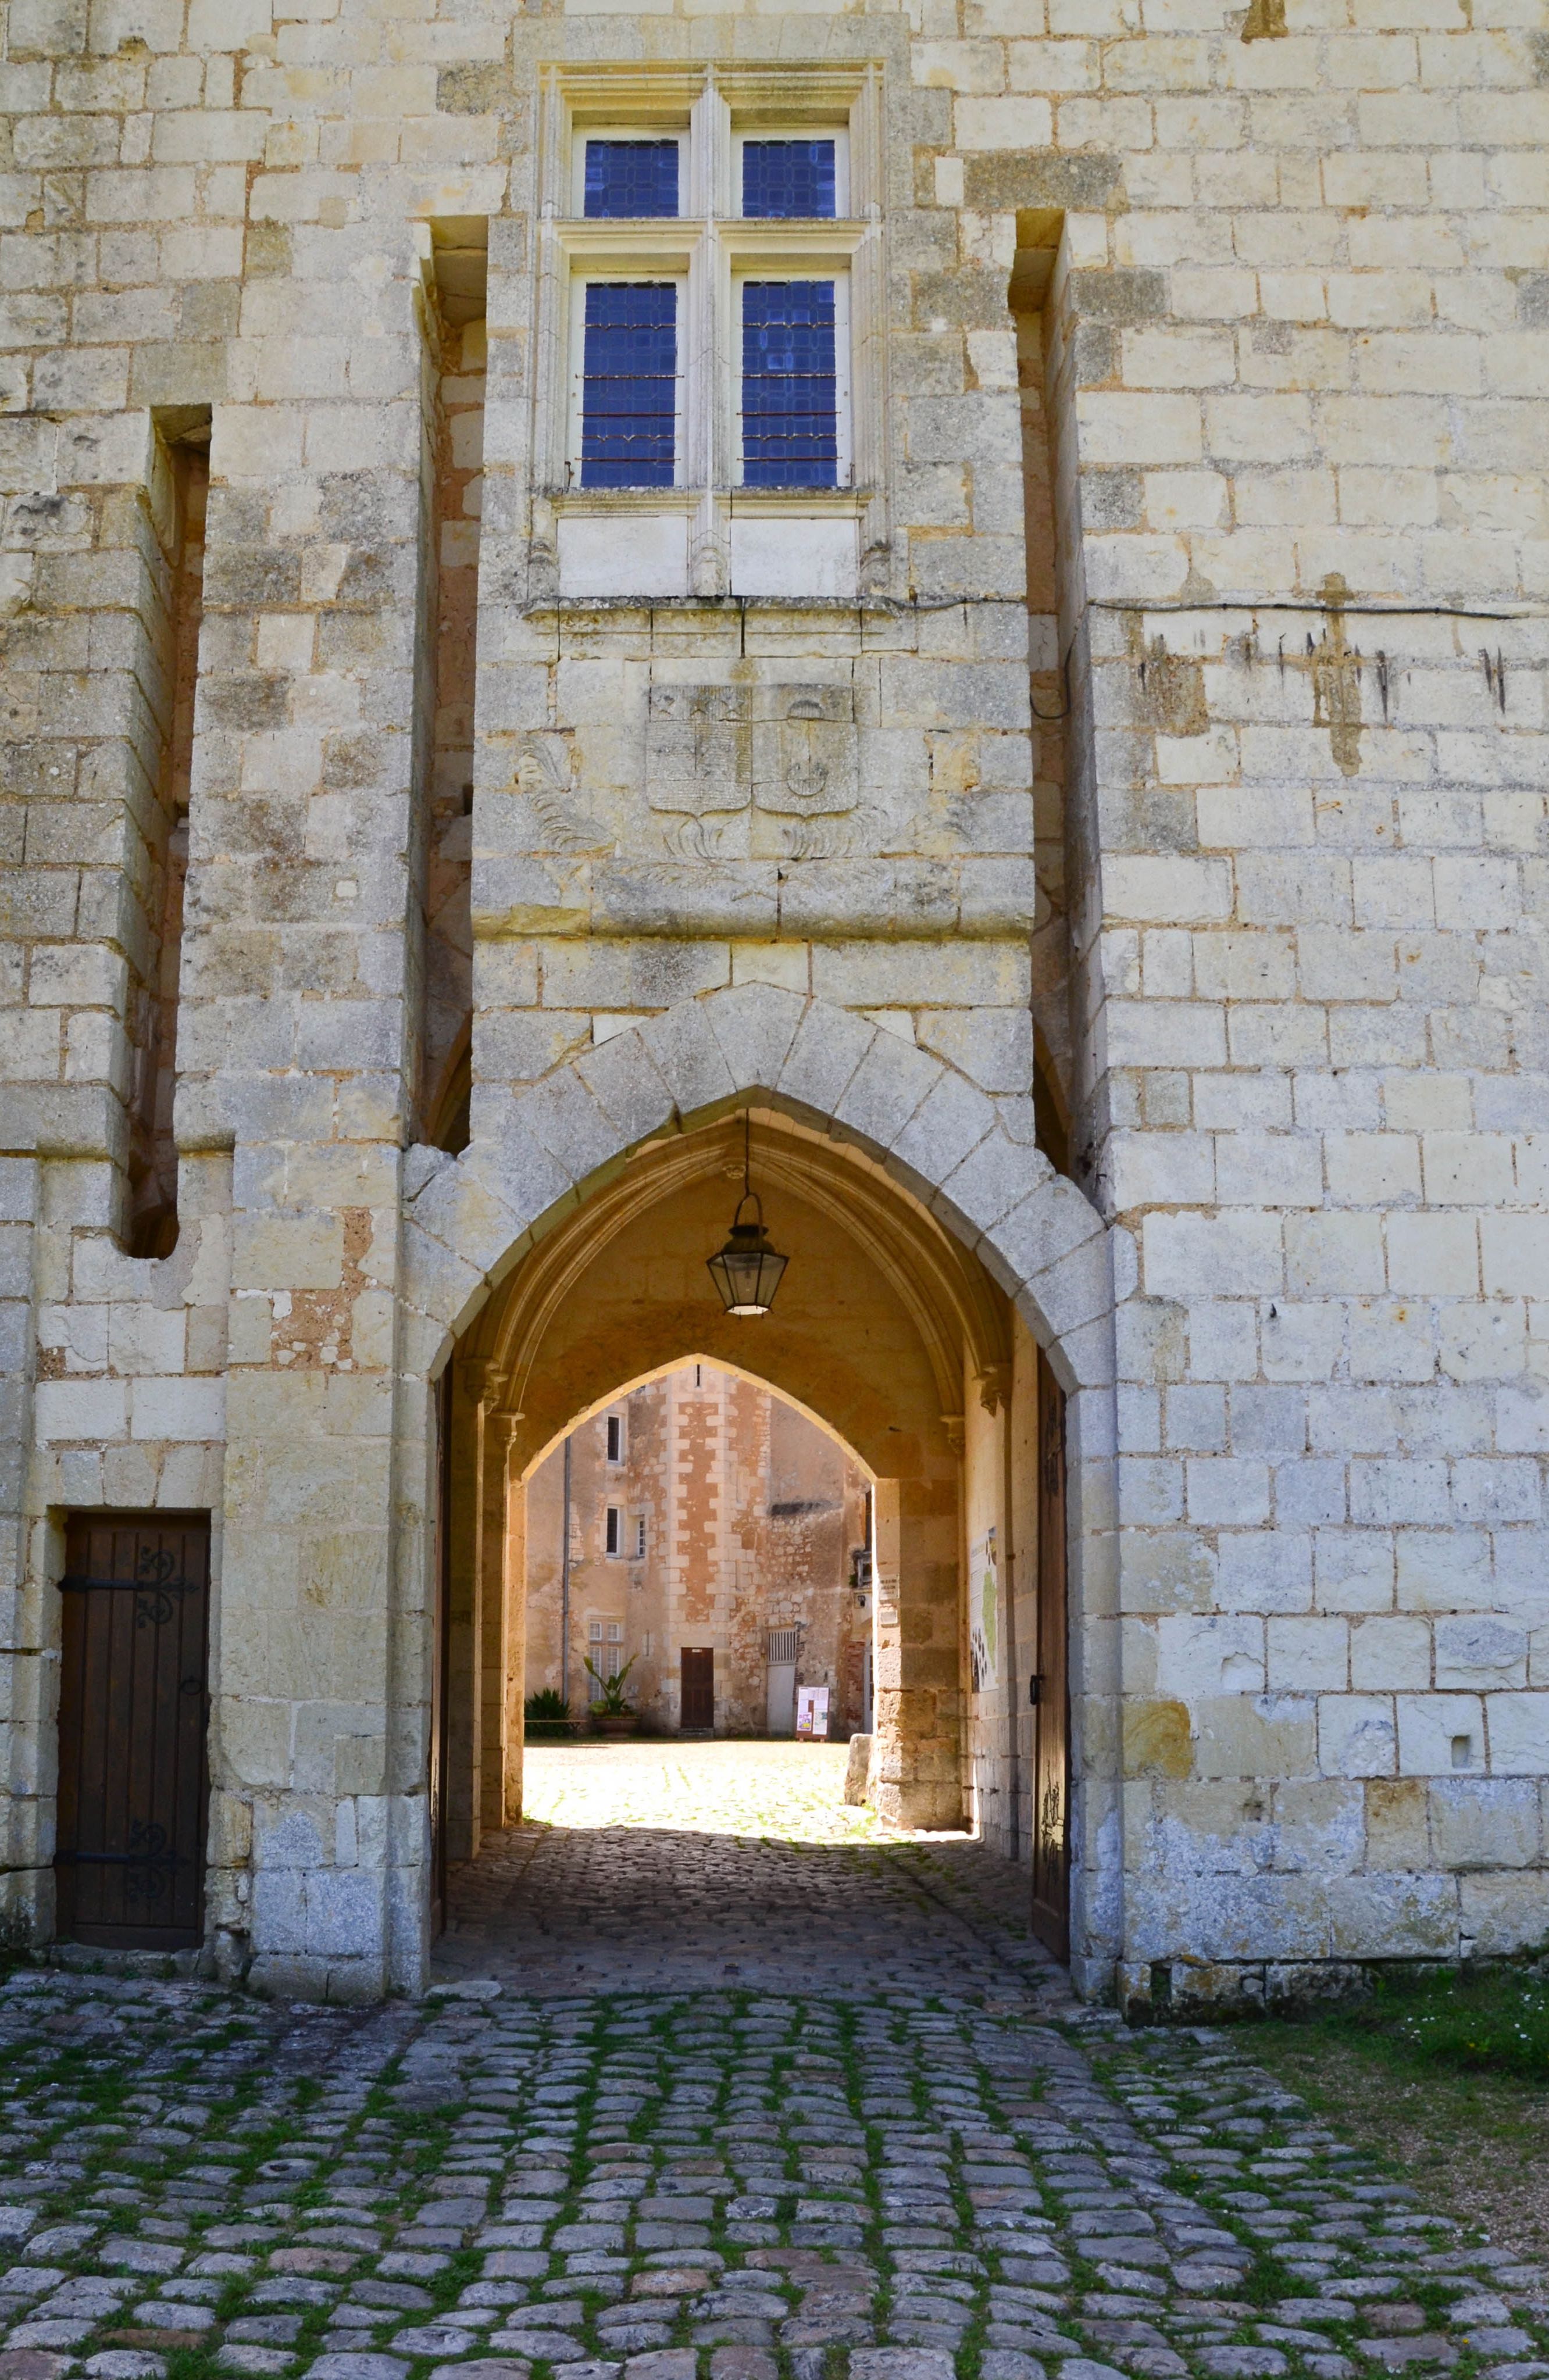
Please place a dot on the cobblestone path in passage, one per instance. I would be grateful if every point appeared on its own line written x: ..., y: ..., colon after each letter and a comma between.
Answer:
x: 682, y: 1865
x: 854, y: 2177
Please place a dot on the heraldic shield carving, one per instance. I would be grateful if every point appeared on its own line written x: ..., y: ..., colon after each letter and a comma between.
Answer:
x: 698, y: 761
x: 751, y: 771
x: 804, y: 756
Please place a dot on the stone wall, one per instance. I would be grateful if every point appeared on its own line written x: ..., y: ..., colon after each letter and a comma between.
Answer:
x: 1233, y: 321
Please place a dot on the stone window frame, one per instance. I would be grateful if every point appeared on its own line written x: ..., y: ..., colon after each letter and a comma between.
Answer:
x: 708, y: 246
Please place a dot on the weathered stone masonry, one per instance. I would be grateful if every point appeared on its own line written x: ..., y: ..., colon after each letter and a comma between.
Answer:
x: 1110, y: 838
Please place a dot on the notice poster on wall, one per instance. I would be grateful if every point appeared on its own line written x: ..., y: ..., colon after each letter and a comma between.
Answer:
x: 984, y: 1609
x: 812, y: 1713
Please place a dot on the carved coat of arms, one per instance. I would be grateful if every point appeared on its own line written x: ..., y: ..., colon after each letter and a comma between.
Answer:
x: 697, y: 760
x: 806, y: 762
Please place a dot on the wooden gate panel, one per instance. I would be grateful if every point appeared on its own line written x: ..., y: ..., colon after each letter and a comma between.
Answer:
x: 1051, y: 1807
x: 133, y: 1721
x: 440, y: 1636
x: 697, y: 1671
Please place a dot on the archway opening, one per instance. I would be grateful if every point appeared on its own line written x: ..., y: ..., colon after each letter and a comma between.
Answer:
x: 889, y: 1346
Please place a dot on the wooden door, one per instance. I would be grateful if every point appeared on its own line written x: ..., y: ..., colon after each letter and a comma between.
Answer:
x: 1051, y: 1802
x: 133, y: 1723
x: 440, y: 1621
x: 697, y: 1670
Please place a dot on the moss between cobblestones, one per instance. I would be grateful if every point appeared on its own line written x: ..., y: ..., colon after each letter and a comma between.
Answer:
x: 1174, y: 2082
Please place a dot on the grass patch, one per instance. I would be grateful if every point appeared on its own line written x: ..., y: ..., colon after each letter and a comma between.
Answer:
x: 1479, y: 2020
x: 1472, y: 2138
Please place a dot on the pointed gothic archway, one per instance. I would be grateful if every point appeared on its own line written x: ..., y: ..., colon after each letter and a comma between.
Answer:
x: 958, y: 1216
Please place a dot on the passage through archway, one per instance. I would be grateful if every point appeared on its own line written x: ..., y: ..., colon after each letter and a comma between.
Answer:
x: 890, y: 1334
x: 700, y: 1547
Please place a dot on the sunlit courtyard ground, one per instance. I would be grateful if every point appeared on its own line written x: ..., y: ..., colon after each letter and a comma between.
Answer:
x: 792, y: 1790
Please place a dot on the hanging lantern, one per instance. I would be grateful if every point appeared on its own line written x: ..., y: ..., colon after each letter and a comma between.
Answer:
x: 747, y: 1270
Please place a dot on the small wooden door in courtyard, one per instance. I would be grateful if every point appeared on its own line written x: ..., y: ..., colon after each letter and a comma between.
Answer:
x: 697, y: 1674
x: 1051, y: 1789
x: 133, y: 1721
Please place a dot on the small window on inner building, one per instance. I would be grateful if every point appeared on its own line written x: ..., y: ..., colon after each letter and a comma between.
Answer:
x: 613, y: 1530
x: 639, y: 1537
x: 630, y: 177
x: 616, y: 1437
x: 790, y: 397
x: 789, y: 177
x: 629, y: 433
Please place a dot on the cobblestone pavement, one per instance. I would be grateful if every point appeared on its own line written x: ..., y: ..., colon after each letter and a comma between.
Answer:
x: 852, y: 2177
x: 689, y: 1865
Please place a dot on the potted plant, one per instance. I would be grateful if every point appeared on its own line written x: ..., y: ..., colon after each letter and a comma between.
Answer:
x: 611, y: 1712
x: 546, y: 1716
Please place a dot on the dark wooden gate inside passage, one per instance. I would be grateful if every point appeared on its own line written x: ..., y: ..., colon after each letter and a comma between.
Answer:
x: 697, y: 1671
x: 1050, y: 1803
x: 133, y: 1722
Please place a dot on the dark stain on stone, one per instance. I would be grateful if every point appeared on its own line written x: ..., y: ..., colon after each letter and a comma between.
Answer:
x: 1172, y: 691
x: 1336, y: 671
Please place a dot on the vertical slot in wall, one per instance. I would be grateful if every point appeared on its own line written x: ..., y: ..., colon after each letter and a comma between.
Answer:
x: 1038, y: 240
x: 179, y: 492
x: 455, y: 282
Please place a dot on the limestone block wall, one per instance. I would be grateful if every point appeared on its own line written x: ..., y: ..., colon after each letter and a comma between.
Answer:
x: 1250, y: 306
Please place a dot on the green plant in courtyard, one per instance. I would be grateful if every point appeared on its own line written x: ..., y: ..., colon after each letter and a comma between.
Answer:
x: 547, y: 1712
x: 612, y: 1702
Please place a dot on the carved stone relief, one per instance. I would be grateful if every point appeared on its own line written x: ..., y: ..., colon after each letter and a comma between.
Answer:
x: 753, y: 772
x: 546, y: 777
x: 806, y: 766
x: 732, y: 770
x: 698, y: 770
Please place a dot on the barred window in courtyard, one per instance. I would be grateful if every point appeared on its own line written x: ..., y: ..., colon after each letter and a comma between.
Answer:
x: 630, y: 385
x: 789, y: 384
x: 606, y: 1647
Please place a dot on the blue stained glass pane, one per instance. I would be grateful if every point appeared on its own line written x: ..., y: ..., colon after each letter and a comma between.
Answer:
x: 788, y: 178
x: 790, y: 398
x: 629, y: 384
x: 631, y: 177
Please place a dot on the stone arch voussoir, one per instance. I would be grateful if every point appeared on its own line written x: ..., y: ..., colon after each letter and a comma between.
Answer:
x: 538, y: 1148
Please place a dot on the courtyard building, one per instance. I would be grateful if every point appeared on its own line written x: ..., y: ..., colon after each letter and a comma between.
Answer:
x: 907, y: 638
x: 709, y: 1544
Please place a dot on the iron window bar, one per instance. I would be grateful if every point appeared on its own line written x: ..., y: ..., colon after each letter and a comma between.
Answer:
x: 790, y: 426
x: 629, y: 384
